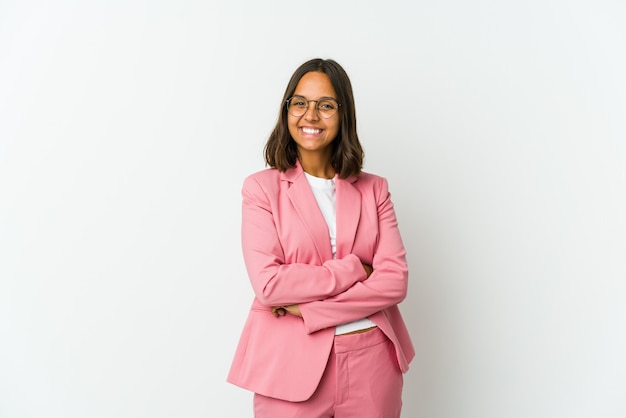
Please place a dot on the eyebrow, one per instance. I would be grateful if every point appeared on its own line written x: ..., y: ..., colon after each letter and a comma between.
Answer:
x: 321, y: 98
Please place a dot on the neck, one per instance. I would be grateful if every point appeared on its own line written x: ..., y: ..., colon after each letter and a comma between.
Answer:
x: 317, y: 166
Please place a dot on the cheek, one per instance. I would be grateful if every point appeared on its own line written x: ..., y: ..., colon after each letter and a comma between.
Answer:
x: 292, y: 126
x: 335, y: 128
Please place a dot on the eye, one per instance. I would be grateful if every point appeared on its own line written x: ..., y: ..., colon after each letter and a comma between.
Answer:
x: 327, y: 105
x: 298, y: 102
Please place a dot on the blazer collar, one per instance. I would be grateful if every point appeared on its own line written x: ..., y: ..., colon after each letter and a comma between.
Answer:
x: 348, y: 209
x: 292, y: 174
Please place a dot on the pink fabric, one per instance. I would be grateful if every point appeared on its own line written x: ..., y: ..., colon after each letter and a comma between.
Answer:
x: 361, y: 380
x: 287, y: 253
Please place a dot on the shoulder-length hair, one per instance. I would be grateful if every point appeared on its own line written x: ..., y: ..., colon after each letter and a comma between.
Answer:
x: 281, y: 151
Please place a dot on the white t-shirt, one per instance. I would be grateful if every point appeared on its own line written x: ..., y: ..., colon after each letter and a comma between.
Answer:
x: 324, y: 191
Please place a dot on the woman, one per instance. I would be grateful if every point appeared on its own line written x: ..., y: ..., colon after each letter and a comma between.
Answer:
x: 324, y: 336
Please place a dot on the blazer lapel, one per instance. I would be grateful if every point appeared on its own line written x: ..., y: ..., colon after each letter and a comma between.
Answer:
x: 303, y: 200
x: 348, y: 214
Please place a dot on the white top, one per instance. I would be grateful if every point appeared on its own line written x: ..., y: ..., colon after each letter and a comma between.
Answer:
x: 324, y: 192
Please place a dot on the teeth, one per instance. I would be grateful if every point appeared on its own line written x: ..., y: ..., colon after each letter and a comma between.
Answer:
x: 311, y: 131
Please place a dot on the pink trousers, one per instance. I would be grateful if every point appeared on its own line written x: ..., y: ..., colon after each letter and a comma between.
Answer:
x: 362, y: 380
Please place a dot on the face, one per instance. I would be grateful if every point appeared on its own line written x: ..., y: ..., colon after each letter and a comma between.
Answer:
x: 312, y: 133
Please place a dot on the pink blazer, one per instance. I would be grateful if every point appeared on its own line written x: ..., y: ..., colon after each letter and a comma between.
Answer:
x: 286, y: 248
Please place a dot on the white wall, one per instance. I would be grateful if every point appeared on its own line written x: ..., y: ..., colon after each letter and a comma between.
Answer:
x: 124, y: 142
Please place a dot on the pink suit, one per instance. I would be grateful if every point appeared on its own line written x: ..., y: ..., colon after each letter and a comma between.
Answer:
x: 287, y: 252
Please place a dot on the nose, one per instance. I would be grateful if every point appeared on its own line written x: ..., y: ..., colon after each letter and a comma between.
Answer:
x: 311, y: 111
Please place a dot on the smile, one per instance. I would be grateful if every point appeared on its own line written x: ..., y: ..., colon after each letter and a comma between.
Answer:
x: 311, y: 131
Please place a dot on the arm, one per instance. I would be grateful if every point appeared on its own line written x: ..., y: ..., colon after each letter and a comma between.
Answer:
x: 387, y: 285
x: 275, y: 282
x: 295, y: 309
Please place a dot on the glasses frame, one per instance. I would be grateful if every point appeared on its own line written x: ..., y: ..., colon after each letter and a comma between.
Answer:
x: 317, y: 105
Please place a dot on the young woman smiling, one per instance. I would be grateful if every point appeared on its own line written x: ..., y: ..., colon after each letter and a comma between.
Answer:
x: 324, y: 336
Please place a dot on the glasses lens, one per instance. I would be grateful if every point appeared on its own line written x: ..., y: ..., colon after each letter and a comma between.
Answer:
x: 327, y: 108
x: 297, y: 106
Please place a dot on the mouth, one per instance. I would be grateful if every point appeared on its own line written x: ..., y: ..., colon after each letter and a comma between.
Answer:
x: 311, y: 131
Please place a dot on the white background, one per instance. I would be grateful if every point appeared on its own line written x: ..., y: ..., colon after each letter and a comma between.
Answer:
x: 127, y: 127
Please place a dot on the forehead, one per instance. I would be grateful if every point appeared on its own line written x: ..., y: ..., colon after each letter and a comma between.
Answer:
x: 314, y: 85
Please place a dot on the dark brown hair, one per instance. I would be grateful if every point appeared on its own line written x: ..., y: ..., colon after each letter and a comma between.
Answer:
x: 281, y: 151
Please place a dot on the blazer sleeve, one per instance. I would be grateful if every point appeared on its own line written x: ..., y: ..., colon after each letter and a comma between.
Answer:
x: 386, y: 286
x: 274, y: 281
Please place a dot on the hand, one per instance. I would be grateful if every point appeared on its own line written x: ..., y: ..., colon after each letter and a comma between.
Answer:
x: 293, y: 310
x: 284, y: 310
x: 278, y: 311
x: 368, y: 269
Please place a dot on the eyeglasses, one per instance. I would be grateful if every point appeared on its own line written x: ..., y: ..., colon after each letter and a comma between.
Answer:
x: 326, y: 107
